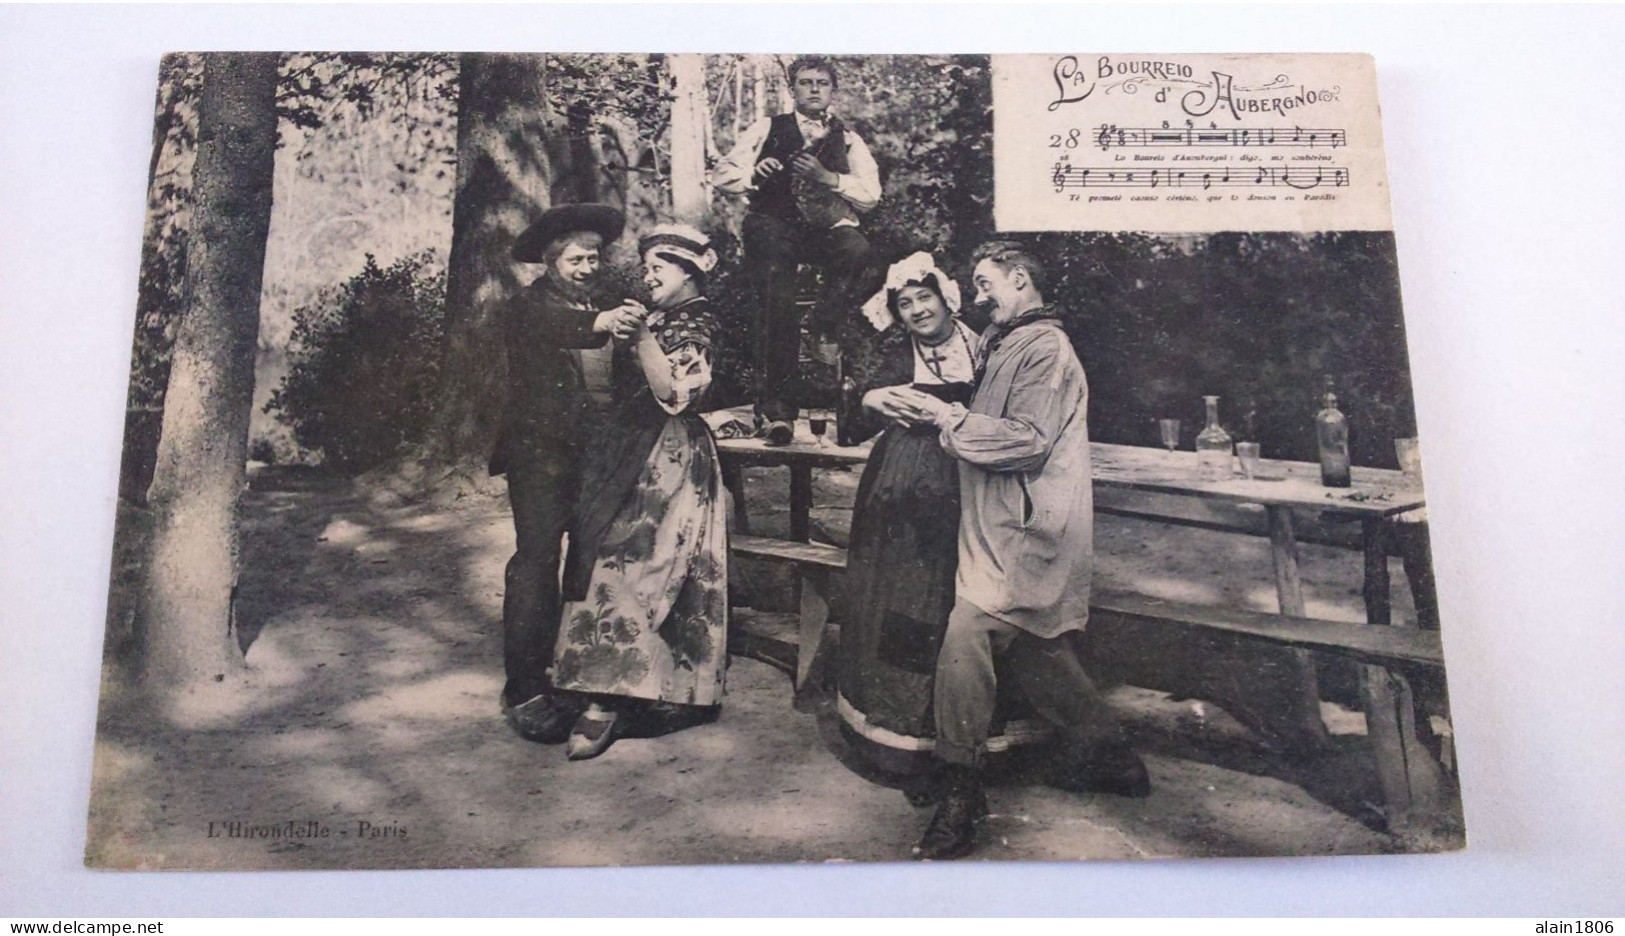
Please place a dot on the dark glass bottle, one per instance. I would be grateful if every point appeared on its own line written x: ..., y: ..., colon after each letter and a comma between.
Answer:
x: 848, y: 407
x: 1332, y: 435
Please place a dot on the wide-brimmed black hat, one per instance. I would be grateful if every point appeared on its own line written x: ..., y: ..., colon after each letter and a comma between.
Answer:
x: 531, y: 246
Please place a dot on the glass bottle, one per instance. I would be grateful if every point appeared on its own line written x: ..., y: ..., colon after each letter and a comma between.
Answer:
x: 1213, y: 446
x: 1332, y: 435
x: 848, y: 405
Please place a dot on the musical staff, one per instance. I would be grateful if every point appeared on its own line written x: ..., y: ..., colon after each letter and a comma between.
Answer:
x: 1110, y: 135
x: 1064, y: 176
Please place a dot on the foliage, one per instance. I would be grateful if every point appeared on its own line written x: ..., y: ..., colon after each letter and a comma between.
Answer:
x: 733, y: 302
x: 367, y: 166
x: 1259, y: 319
x: 364, y: 364
x: 587, y: 87
x: 163, y: 253
x: 314, y: 85
x: 928, y: 120
x: 318, y: 96
x: 611, y: 111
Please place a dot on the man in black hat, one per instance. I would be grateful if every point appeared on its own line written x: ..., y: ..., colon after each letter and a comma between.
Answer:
x: 808, y: 177
x: 549, y: 329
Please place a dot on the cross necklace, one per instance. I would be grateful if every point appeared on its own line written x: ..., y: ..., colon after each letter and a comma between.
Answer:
x: 936, y: 358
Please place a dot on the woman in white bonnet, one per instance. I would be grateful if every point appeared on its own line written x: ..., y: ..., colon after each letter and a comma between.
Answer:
x: 905, y: 528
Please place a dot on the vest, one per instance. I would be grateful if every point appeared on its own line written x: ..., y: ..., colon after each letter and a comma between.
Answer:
x: 777, y: 196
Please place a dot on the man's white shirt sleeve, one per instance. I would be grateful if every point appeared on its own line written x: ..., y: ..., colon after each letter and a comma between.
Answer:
x: 861, y: 186
x: 735, y: 173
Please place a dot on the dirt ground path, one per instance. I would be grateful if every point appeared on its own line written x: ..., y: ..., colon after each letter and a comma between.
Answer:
x: 366, y: 733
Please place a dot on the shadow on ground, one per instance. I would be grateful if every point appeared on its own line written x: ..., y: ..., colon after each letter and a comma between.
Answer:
x: 368, y: 735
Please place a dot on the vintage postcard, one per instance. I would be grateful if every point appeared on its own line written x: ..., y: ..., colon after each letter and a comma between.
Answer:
x: 631, y: 459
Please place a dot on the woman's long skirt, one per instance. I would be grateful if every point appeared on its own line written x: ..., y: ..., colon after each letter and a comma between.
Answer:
x: 654, y: 624
x: 900, y: 578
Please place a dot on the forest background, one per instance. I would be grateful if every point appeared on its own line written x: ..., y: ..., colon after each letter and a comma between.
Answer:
x: 352, y: 357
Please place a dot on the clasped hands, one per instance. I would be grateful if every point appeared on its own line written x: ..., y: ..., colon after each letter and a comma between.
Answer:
x: 624, y: 321
x: 907, y: 406
x: 804, y: 165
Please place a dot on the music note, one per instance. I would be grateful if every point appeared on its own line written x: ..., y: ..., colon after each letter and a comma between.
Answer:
x: 1064, y: 176
x: 1109, y: 135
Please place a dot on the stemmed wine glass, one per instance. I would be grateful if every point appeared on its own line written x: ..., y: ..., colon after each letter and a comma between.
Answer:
x: 1170, y: 434
x: 818, y: 424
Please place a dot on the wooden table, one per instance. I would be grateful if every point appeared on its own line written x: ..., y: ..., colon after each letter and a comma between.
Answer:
x: 1375, y: 496
x: 801, y: 456
x: 813, y: 563
x: 1410, y: 780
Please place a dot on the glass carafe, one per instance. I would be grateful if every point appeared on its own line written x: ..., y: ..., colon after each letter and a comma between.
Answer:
x: 1213, y: 446
x: 1332, y: 438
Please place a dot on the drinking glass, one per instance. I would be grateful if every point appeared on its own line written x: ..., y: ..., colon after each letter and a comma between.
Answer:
x: 1410, y: 458
x: 818, y: 425
x: 1248, y: 453
x: 1170, y: 433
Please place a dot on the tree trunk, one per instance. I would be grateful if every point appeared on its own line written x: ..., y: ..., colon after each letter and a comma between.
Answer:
x: 192, y: 568
x: 503, y: 175
x: 690, y: 200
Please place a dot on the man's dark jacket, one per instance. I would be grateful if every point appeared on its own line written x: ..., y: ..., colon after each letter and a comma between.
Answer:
x: 546, y: 405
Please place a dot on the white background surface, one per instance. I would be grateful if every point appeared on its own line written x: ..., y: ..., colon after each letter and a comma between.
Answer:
x: 1505, y: 143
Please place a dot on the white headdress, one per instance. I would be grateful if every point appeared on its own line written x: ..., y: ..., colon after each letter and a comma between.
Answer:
x: 914, y: 269
x: 681, y: 240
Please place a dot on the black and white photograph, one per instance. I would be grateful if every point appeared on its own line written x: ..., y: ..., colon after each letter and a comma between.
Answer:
x: 820, y: 460
x: 629, y: 459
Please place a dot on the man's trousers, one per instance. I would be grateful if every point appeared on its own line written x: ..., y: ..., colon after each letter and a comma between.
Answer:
x: 1046, y: 671
x: 773, y: 248
x: 542, y: 491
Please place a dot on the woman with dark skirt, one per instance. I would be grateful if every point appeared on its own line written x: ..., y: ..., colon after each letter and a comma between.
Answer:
x: 905, y: 529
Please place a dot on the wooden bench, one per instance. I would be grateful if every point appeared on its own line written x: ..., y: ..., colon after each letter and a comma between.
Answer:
x: 1366, y: 643
x: 813, y: 562
x: 1410, y: 780
x: 1385, y: 654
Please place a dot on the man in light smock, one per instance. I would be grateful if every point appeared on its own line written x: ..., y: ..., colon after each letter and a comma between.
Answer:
x: 1026, y: 553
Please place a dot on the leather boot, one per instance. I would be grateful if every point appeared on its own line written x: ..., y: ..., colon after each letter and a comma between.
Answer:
x: 952, y: 832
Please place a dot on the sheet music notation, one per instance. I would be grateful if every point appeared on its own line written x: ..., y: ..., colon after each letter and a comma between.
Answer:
x: 1065, y: 176
x: 1110, y: 135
